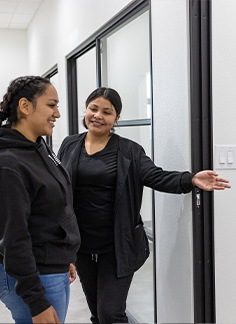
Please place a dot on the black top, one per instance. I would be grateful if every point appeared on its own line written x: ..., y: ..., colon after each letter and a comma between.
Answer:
x: 39, y: 231
x: 94, y: 198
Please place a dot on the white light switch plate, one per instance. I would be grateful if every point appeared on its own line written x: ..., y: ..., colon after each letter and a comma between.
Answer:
x: 225, y: 157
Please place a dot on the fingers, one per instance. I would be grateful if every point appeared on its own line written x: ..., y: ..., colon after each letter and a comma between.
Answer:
x: 72, y: 279
x: 222, y: 180
x: 212, y: 173
x: 222, y: 184
x: 72, y: 273
x: 47, y: 316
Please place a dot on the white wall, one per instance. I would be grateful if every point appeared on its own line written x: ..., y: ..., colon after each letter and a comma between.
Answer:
x: 13, y: 63
x: 172, y: 152
x: 224, y: 126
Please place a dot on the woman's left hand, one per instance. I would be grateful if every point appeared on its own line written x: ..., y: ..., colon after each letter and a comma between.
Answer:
x: 72, y: 273
x: 208, y: 180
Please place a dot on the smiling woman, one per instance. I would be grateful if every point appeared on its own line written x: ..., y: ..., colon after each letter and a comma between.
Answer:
x: 39, y: 117
x: 39, y: 235
x: 37, y: 109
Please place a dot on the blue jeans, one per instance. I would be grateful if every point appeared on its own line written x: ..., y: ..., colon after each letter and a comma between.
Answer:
x: 57, y: 292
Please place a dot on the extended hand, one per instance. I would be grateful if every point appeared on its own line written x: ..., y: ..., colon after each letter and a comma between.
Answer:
x: 208, y: 180
x: 47, y: 316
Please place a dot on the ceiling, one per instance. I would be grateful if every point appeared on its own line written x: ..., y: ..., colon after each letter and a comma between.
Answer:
x: 17, y: 14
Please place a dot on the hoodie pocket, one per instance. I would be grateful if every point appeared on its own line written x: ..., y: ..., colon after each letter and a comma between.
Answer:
x: 63, y: 250
x: 71, y: 231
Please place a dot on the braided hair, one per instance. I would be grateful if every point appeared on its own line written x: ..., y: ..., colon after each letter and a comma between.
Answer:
x: 29, y: 87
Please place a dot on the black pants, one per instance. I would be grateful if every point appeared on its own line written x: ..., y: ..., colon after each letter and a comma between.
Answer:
x: 105, y: 293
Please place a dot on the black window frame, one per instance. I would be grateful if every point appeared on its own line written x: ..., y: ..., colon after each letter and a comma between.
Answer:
x: 202, y: 139
x: 49, y: 74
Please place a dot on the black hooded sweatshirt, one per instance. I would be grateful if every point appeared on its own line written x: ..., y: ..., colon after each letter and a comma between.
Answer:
x: 38, y: 229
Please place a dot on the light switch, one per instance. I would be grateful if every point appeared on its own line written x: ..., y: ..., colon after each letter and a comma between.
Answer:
x: 222, y: 159
x: 230, y: 157
x: 225, y: 157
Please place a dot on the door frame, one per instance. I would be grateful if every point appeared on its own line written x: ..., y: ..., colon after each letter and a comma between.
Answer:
x: 202, y: 158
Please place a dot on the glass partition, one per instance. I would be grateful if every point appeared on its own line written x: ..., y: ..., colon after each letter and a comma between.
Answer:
x: 140, y: 303
x: 125, y: 61
x: 86, y: 81
x: 125, y: 55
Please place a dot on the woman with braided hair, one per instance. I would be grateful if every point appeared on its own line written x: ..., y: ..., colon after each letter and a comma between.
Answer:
x: 39, y: 235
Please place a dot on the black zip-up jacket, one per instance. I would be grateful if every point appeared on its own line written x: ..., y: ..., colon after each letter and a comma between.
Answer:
x: 38, y: 229
x: 134, y: 171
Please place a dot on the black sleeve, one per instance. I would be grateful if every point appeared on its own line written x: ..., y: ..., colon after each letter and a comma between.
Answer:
x: 15, y: 240
x: 162, y: 180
